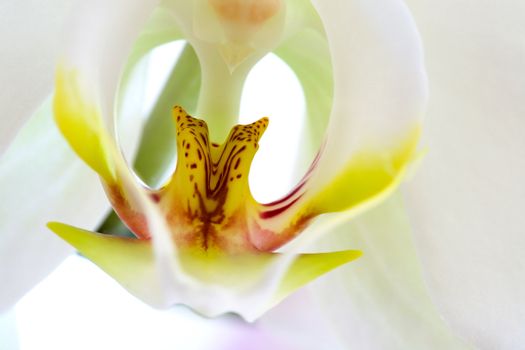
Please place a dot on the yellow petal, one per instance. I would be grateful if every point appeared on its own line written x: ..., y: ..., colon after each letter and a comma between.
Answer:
x: 308, y: 267
x: 368, y: 176
x: 79, y: 121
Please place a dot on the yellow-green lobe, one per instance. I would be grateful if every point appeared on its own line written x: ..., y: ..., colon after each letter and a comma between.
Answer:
x: 132, y: 263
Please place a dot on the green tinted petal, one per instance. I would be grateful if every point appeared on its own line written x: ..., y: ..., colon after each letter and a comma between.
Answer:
x: 130, y: 261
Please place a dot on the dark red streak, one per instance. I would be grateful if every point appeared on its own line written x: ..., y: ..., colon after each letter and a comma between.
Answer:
x: 271, y: 213
x: 288, y: 196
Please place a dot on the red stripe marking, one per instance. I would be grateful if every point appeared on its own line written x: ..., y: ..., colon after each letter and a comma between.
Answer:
x: 271, y: 213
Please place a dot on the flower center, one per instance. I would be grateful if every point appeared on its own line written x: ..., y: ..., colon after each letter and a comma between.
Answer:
x: 208, y: 198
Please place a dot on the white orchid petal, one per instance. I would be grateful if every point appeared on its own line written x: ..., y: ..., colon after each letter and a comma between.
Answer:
x: 42, y: 180
x: 467, y: 199
x: 29, y: 32
x: 382, y: 297
x: 380, y: 83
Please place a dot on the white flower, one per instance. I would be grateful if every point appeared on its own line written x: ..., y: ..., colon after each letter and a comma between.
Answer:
x: 379, y: 92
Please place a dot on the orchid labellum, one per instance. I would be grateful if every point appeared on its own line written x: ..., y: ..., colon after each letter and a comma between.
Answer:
x: 203, y: 240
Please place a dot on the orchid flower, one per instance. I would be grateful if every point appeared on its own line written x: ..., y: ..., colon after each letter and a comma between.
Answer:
x: 204, y: 241
x: 371, y: 137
